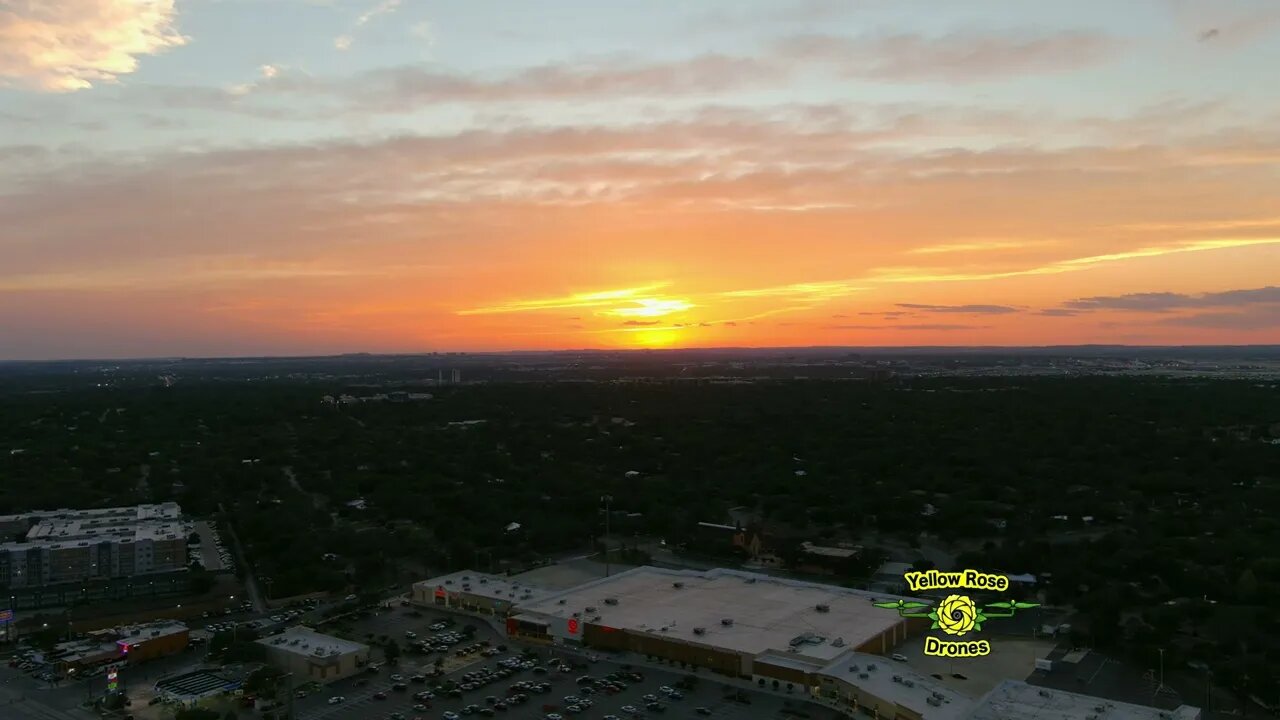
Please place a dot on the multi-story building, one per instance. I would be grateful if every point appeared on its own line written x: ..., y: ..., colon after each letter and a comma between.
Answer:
x: 66, y: 546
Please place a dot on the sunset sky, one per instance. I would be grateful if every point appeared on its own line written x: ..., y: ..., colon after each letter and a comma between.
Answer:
x: 236, y: 177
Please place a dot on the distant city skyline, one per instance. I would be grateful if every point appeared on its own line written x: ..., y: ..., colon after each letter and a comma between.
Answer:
x: 297, y: 177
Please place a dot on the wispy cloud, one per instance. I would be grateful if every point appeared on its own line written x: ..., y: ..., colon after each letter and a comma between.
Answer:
x: 941, y: 327
x: 1160, y: 302
x: 67, y: 45
x: 961, y: 309
x: 385, y: 7
x: 956, y: 57
x: 978, y: 246
x: 650, y: 307
x: 805, y: 292
x: 602, y: 298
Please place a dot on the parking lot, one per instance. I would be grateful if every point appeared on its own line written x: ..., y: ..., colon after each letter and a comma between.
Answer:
x: 362, y: 701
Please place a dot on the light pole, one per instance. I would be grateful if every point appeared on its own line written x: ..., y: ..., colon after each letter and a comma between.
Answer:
x: 608, y: 501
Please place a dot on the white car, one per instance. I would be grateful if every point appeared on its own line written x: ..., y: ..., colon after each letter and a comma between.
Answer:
x: 336, y: 699
x: 899, y: 657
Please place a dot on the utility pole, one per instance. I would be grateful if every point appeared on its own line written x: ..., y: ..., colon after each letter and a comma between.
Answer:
x: 608, y: 502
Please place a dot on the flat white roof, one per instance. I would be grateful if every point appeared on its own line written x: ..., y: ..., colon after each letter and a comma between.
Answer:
x: 767, y: 613
x: 1016, y: 700
x: 889, y: 680
x: 493, y: 587
x: 302, y: 640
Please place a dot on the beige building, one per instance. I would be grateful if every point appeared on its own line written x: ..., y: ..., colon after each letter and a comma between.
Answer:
x: 312, y: 656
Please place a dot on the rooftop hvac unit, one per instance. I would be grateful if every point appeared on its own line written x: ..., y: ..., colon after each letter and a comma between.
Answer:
x: 871, y: 666
x: 561, y: 602
x: 897, y: 678
x: 853, y: 668
x: 699, y: 631
x: 595, y: 618
x: 611, y: 601
x: 838, y: 642
x: 466, y: 577
x: 591, y: 608
x: 677, y: 585
x: 484, y: 581
x: 1098, y: 708
x: 727, y: 622
x: 751, y: 581
x: 864, y: 676
x: 909, y: 682
x: 577, y: 614
x: 664, y: 629
x: 934, y: 701
x: 824, y: 608
x: 448, y: 582
x: 1044, y: 693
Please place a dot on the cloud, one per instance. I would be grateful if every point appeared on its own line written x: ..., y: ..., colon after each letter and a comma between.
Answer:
x: 343, y: 42
x: 650, y: 307
x: 1227, y: 25
x: 979, y: 246
x: 1161, y: 302
x: 602, y: 298
x: 943, y: 327
x: 1058, y: 312
x: 386, y: 7
x: 962, y: 309
x: 810, y: 292
x: 957, y: 57
x: 636, y: 323
x: 68, y: 45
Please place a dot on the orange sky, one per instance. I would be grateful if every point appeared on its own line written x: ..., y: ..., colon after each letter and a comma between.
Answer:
x: 774, y: 175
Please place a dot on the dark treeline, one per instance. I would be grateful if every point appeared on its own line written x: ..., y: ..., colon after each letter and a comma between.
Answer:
x: 1179, y: 480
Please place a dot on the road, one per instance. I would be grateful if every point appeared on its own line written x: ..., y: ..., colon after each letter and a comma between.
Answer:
x: 24, y: 698
x: 250, y: 582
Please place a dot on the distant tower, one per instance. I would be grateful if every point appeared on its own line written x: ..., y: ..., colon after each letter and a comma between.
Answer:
x: 439, y: 377
x: 457, y: 377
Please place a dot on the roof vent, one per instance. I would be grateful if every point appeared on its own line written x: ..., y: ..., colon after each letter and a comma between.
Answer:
x: 824, y: 608
x: 699, y: 631
x: 727, y: 622
x: 751, y: 581
x: 897, y: 678
x: 838, y: 642
x: 933, y: 701
x: 561, y: 601
x: 871, y: 666
x: 591, y: 608
x: 677, y: 585
x: 1045, y: 693
x: 909, y: 682
x: 853, y: 668
x: 611, y: 601
x: 864, y: 676
x: 664, y: 629
x: 484, y: 581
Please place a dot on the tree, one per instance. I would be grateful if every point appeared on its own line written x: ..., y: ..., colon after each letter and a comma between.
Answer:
x: 391, y: 651
x: 1247, y: 586
x: 197, y: 714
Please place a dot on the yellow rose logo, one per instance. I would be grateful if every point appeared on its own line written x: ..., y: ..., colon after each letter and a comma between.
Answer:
x: 956, y: 615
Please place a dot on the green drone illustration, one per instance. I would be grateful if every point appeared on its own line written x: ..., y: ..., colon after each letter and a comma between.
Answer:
x: 957, y: 614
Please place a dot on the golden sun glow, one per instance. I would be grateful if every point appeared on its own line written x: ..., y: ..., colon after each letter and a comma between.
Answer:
x: 651, y: 307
